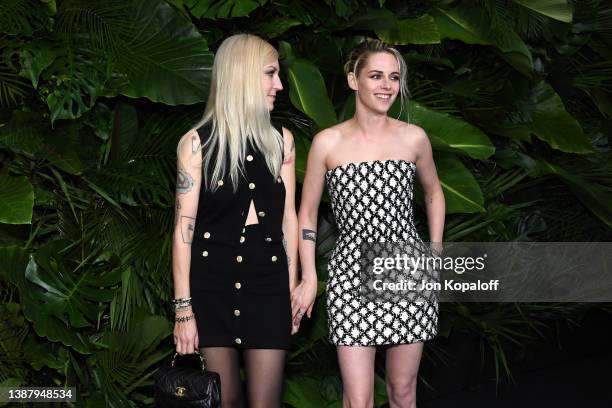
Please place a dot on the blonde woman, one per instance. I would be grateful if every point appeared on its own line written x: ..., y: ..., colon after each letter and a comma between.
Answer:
x: 369, y: 163
x: 235, y: 240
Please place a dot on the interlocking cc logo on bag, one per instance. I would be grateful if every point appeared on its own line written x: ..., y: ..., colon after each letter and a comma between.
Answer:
x: 180, y: 391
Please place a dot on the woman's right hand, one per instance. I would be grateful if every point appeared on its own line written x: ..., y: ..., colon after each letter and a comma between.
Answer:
x: 302, y: 301
x: 186, y: 334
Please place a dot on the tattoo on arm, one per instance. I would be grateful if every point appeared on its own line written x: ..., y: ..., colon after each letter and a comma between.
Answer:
x: 309, y: 235
x: 177, y: 207
x: 290, y: 156
x: 184, y: 182
x: 195, y: 144
x: 187, y: 228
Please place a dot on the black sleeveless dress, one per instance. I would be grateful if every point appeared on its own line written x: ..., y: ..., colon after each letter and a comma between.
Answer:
x: 239, y: 279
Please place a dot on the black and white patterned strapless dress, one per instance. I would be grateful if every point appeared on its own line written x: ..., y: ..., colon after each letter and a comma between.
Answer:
x: 372, y: 202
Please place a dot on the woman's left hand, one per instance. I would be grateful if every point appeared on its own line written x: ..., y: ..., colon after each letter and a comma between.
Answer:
x: 302, y: 301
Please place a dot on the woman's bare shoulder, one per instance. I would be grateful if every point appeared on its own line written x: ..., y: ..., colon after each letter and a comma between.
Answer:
x: 408, y: 129
x: 189, y: 148
x: 328, y: 137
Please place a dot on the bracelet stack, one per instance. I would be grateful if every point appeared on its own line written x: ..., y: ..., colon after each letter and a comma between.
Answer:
x: 183, y: 319
x: 181, y: 304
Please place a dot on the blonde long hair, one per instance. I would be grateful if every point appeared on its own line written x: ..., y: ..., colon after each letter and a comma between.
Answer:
x: 238, y: 111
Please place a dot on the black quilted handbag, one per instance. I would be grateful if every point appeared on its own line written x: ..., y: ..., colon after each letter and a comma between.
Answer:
x: 187, y: 386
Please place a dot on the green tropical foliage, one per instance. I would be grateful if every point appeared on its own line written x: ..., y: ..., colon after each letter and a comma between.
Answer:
x: 516, y: 97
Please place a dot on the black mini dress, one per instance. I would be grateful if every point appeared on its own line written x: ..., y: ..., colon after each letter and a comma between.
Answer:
x: 239, y: 278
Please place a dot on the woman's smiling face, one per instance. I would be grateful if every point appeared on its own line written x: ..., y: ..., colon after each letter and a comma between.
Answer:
x: 378, y: 81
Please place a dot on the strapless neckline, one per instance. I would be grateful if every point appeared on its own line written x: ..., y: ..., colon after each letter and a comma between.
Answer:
x: 356, y: 164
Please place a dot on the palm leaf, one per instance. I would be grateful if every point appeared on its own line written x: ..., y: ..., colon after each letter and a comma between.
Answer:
x: 12, y: 87
x: 24, y: 16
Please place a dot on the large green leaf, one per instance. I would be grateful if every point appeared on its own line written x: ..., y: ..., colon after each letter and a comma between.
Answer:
x: 461, y: 191
x: 303, y: 393
x: 373, y: 19
x: 556, y: 9
x: 422, y: 30
x: 222, y: 8
x: 472, y: 26
x: 553, y: 124
x: 447, y: 132
x: 273, y: 28
x: 15, y: 265
x: 308, y: 93
x: 16, y: 199
x: 167, y: 59
x: 302, y: 147
x: 61, y: 294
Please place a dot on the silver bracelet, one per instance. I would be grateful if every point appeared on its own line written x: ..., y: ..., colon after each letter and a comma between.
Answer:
x: 181, y: 303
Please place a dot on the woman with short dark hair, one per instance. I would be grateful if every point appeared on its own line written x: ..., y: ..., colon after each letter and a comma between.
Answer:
x: 370, y: 163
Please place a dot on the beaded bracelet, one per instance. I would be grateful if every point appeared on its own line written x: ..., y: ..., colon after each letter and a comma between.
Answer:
x: 184, y: 318
x: 181, y: 303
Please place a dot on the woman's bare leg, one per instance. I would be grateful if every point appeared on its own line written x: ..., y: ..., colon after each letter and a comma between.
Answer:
x: 357, y: 370
x: 401, y: 371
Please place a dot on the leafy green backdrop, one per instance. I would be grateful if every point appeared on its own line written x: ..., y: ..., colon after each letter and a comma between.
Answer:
x: 514, y: 95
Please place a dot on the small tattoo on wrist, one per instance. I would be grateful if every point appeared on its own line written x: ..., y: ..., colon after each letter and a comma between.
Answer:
x: 309, y: 235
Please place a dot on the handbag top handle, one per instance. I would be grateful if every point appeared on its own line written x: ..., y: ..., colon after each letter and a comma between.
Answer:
x: 202, y: 359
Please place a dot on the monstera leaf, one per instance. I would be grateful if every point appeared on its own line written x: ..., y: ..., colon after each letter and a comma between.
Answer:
x: 61, y: 295
x: 73, y: 81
